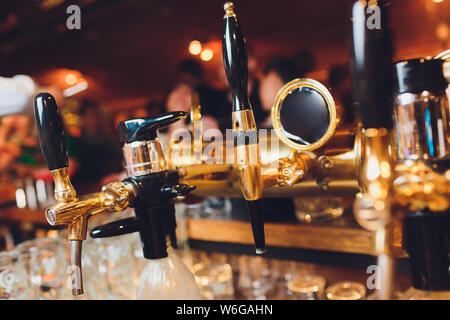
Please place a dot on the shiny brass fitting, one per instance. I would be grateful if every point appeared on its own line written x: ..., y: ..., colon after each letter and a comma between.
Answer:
x: 64, y: 191
x: 229, y: 9
x: 247, y: 154
x: 294, y: 168
x: 114, y: 197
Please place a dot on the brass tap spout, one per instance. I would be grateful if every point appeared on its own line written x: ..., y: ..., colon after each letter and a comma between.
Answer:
x: 75, y: 213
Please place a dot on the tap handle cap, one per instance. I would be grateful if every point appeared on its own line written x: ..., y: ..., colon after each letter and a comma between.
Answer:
x: 51, y: 131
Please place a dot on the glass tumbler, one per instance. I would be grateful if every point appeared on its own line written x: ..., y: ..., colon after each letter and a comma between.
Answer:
x: 45, y: 264
x: 215, y: 280
x: 308, y: 287
x: 313, y: 209
x: 13, y: 277
x: 346, y: 290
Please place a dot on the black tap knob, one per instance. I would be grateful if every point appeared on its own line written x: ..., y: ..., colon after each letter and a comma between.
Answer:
x: 117, y: 228
x: 143, y: 129
x: 177, y: 190
x: 51, y: 131
x: 373, y: 70
x: 235, y: 59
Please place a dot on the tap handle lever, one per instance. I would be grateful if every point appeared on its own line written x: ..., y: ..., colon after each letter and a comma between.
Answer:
x: 51, y: 131
x: 177, y: 190
x: 117, y: 228
x: 143, y: 129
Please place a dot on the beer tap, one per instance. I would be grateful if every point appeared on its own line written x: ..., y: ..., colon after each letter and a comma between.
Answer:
x: 374, y: 96
x: 146, y: 166
x: 70, y: 209
x: 155, y: 187
x: 246, y: 140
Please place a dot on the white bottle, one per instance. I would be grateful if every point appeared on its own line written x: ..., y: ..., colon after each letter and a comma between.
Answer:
x: 167, y: 279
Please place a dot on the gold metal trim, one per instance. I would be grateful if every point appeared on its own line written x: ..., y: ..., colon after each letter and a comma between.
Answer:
x: 243, y: 120
x: 229, y: 10
x: 247, y: 157
x: 276, y: 109
x: 444, y: 55
x: 143, y: 157
x: 196, y: 122
x: 64, y: 191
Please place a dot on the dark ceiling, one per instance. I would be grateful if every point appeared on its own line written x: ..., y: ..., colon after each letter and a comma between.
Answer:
x: 130, y: 48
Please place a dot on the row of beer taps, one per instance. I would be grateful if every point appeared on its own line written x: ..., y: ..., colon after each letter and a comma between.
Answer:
x: 388, y: 188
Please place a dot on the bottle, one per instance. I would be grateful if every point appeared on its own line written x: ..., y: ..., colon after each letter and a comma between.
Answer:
x: 167, y: 279
x: 427, y: 242
x: 421, y: 111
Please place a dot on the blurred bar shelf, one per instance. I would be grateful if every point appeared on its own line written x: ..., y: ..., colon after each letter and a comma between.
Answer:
x: 15, y: 214
x: 340, y: 235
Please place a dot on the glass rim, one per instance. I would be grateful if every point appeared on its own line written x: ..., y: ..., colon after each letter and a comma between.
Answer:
x: 34, y: 245
x: 330, y: 292
x: 311, y: 284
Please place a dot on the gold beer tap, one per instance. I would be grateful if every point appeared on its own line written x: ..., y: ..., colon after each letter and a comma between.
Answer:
x: 246, y: 140
x: 71, y: 210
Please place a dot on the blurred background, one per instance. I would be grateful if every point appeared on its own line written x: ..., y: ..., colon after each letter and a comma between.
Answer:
x: 138, y: 58
x: 128, y: 51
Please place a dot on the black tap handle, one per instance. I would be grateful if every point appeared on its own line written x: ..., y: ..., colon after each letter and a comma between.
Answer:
x: 373, y: 70
x: 177, y: 190
x: 235, y: 59
x: 117, y: 228
x: 256, y: 214
x: 143, y: 129
x: 51, y: 131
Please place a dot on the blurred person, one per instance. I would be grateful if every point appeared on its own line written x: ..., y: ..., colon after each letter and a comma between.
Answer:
x: 277, y: 73
x: 189, y: 83
x: 305, y: 62
x: 16, y: 96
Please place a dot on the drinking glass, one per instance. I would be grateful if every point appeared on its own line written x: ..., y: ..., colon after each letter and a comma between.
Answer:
x: 45, y: 264
x: 254, y: 277
x: 215, y: 279
x: 346, y: 290
x: 109, y: 267
x: 13, y: 278
x: 312, y: 209
x: 308, y: 287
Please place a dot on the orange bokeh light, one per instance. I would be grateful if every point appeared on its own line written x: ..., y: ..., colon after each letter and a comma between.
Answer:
x: 207, y: 55
x: 195, y: 47
x: 71, y: 79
